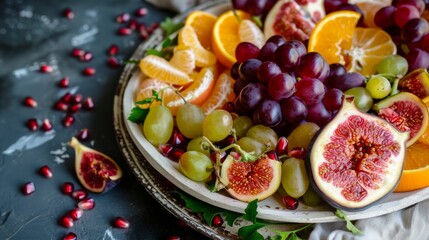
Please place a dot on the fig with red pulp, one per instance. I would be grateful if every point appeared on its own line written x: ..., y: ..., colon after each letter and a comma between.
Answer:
x: 95, y: 171
x: 356, y: 159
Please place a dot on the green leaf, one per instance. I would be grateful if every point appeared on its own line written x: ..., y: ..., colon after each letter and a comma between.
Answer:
x: 156, y: 96
x: 170, y: 27
x: 251, y: 232
x: 138, y: 115
x: 167, y: 42
x: 258, y: 21
x: 349, y: 225
x: 145, y: 101
x: 251, y: 211
x: 155, y: 52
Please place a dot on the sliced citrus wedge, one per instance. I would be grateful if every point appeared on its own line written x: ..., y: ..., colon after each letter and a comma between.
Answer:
x: 183, y: 58
x: 159, y: 68
x: 222, y: 93
x: 203, y: 57
x: 148, y: 85
x: 203, y: 23
x: 248, y: 31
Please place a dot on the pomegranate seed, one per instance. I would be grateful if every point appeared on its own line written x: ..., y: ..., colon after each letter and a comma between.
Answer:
x: 228, y: 140
x: 235, y: 155
x: 86, y: 204
x: 298, y: 152
x: 144, y: 34
x: 88, y: 104
x: 124, y: 31
x: 272, y: 155
x: 45, y: 171
x: 182, y: 224
x: 113, y: 62
x: 66, y: 222
x: 46, y: 68
x: 140, y: 12
x: 175, y: 154
x: 28, y: 188
x: 66, y: 98
x: 123, y: 17
x: 46, y: 125
x: 75, y: 214
x: 32, y: 124
x: 177, y: 139
x: 290, y: 202
x: 75, y: 107
x: 86, y: 57
x: 217, y: 221
x: 70, y: 236
x: 132, y: 24
x: 165, y: 149
x: 281, y: 147
x: 64, y: 82
x: 152, y: 27
x: 79, y: 194
x: 89, y: 71
x: 68, y: 120
x: 67, y: 188
x: 77, y: 52
x: 213, y: 156
x: 229, y: 107
x: 30, y: 102
x: 83, y: 134
x: 68, y: 13
x: 61, y: 106
x: 77, y: 98
x: 121, y: 223
x: 113, y: 50
x: 173, y: 238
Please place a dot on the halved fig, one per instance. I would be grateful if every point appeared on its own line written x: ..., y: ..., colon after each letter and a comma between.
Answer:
x: 250, y: 180
x: 416, y: 82
x: 356, y: 159
x: 406, y: 112
x: 95, y: 171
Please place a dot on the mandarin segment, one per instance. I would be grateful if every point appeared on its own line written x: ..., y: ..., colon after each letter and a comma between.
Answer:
x: 159, y: 68
x: 183, y: 59
x: 248, y: 31
x: 148, y: 85
x: 222, y: 93
x: 203, y: 23
x: 203, y: 57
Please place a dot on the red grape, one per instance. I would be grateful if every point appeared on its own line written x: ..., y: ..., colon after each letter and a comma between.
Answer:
x: 267, y: 52
x: 281, y: 86
x: 417, y: 58
x: 414, y: 30
x: 336, y: 69
x: 419, y: 4
x: 251, y: 95
x: 299, y: 46
x: 384, y: 17
x: 313, y: 65
x: 277, y: 40
x: 318, y: 114
x: 268, y: 113
x: 287, y: 57
x: 249, y: 68
x: 310, y: 90
x: 294, y: 110
x: 347, y: 81
x: 267, y: 71
x: 246, y: 50
x: 235, y: 70
x: 333, y: 99
x: 404, y: 13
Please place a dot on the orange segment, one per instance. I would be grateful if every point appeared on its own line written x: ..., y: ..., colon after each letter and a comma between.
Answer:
x: 183, y: 58
x: 225, y: 36
x: 222, y: 93
x: 148, y: 85
x: 425, y: 137
x: 248, y: 31
x: 203, y: 23
x: 159, y: 68
x: 203, y: 57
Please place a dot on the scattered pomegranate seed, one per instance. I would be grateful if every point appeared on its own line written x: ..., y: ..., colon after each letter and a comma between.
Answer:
x: 32, y: 124
x: 113, y: 62
x: 66, y: 222
x: 123, y: 17
x: 175, y: 154
x: 28, y: 188
x: 68, y: 13
x: 68, y: 120
x: 281, y: 147
x: 46, y: 68
x: 113, y: 50
x: 77, y: 98
x: 144, y: 34
x: 217, y: 221
x: 75, y: 214
x: 61, y: 106
x: 83, y: 134
x: 86, y: 57
x: 152, y: 27
x: 290, y: 202
x: 140, y: 12
x: 124, y: 31
x: 298, y: 152
x: 177, y: 139
x: 30, y: 102
x: 272, y: 155
x: 46, y: 125
x: 77, y: 52
x: 86, y: 204
x: 67, y: 188
x: 165, y: 149
x: 66, y: 98
x: 132, y: 24
x: 64, y: 82
x: 45, y: 171
x: 121, y: 223
x: 173, y: 238
x: 88, y: 104
x: 89, y: 71
x: 70, y: 236
x: 79, y: 194
x: 182, y: 224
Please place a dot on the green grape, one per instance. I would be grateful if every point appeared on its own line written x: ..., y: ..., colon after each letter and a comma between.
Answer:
x: 302, y: 135
x: 265, y: 135
x: 241, y: 125
x: 294, y: 177
x: 196, y: 145
x: 362, y: 98
x: 189, y: 119
x: 217, y: 125
x: 251, y: 145
x: 379, y: 87
x: 311, y: 198
x: 195, y: 165
x: 158, y: 125
x: 394, y: 64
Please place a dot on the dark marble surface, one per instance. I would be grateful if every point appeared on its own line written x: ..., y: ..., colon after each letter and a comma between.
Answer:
x: 33, y: 33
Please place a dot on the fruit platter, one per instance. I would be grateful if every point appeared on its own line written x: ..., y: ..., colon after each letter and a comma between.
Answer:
x: 302, y: 106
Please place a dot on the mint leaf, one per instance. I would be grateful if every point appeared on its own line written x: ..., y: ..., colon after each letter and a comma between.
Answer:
x: 251, y: 232
x: 156, y: 96
x: 349, y: 225
x: 170, y: 27
x: 251, y: 211
x: 291, y: 235
x: 138, y: 115
x: 145, y: 101
x: 155, y: 52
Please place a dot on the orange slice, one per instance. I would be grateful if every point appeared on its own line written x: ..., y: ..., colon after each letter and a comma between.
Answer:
x: 148, y: 85
x: 203, y: 23
x: 159, y: 68
x: 203, y: 57
x: 183, y: 58
x: 425, y: 137
x: 225, y: 36
x: 248, y: 31
x: 222, y: 93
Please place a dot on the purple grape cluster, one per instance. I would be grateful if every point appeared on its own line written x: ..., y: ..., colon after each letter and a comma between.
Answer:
x: 254, y: 7
x: 283, y: 85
